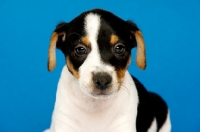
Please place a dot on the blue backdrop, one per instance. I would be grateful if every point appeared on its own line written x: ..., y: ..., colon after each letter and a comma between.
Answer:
x: 27, y: 90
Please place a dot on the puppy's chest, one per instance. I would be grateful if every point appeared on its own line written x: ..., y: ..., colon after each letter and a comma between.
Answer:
x: 100, y: 116
x: 96, y: 122
x: 99, y: 121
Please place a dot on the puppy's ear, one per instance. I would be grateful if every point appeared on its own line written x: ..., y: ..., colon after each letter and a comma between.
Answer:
x: 136, y: 35
x: 57, y: 39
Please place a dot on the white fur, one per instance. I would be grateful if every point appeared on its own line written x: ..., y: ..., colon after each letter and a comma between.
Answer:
x: 153, y: 127
x: 77, y: 112
x: 165, y: 128
x: 167, y: 125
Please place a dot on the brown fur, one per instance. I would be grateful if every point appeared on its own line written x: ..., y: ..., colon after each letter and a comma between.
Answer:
x: 121, y: 72
x: 71, y: 68
x: 52, y: 50
x: 113, y: 39
x: 85, y: 40
x: 140, y: 55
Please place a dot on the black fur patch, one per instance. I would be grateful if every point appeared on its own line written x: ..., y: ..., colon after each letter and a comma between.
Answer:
x: 108, y: 28
x: 74, y: 31
x: 150, y: 105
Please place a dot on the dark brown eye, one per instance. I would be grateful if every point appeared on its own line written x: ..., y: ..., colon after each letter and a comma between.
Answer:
x: 119, y: 49
x: 80, y: 50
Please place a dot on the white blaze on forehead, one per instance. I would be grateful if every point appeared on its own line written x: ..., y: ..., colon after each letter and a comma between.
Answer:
x: 92, y: 25
x: 93, y: 60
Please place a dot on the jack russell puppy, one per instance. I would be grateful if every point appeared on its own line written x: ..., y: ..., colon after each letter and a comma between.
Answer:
x: 95, y: 92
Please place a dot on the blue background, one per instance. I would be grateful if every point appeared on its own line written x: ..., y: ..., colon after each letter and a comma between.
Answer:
x: 171, y: 29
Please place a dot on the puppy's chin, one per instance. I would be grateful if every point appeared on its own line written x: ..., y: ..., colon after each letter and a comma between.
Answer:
x: 100, y: 94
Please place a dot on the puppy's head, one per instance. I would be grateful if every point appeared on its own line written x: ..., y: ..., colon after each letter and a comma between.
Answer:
x: 97, y: 47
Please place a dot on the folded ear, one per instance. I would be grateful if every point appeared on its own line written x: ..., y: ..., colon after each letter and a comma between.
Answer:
x: 140, y: 52
x: 57, y: 38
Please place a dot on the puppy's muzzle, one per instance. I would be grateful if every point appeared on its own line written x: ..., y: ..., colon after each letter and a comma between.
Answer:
x: 102, y: 80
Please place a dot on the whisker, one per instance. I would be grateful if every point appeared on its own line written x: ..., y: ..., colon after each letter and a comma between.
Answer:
x: 124, y: 87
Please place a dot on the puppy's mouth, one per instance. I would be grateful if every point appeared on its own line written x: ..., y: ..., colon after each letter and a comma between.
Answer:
x: 103, y: 93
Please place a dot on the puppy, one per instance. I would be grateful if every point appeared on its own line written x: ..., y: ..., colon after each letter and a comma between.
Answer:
x: 95, y: 92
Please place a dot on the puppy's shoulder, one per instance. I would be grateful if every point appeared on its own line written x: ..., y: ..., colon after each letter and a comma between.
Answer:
x: 151, y: 106
x: 142, y: 91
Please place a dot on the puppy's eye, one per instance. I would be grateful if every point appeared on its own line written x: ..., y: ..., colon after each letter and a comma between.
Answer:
x: 119, y: 49
x: 80, y: 50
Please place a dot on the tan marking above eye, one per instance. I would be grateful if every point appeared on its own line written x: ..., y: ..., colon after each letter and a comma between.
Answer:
x: 85, y: 40
x: 113, y: 39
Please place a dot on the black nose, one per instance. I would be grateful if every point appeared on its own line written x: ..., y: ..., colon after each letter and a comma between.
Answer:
x: 102, y: 80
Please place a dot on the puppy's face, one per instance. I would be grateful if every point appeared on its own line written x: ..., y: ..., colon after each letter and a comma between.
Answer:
x: 97, y: 47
